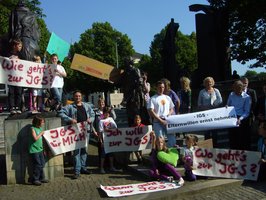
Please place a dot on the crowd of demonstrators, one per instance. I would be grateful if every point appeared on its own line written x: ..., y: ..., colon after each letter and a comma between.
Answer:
x: 76, y: 112
x: 260, y: 108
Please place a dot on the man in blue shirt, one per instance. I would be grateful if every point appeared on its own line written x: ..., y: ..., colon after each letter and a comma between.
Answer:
x: 242, y: 103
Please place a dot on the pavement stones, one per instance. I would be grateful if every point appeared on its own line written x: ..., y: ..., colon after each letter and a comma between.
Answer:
x: 88, y: 186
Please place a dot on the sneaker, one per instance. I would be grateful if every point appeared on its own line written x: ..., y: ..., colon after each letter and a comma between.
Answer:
x: 181, y: 181
x: 170, y: 178
x: 114, y: 169
x: 37, y: 183
x: 13, y: 111
x: 18, y: 111
x: 75, y: 176
x: 44, y: 181
x: 102, y: 171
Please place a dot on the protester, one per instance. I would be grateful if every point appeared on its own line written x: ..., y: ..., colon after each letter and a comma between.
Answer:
x: 36, y: 151
x: 99, y: 116
x: 187, y: 156
x: 15, y: 92
x: 161, y: 106
x: 74, y: 113
x: 185, y: 96
x: 138, y: 124
x: 160, y: 170
x: 241, y: 101
x: 262, y: 149
x: 209, y: 98
x: 58, y: 83
x: 37, y: 104
x: 147, y: 86
x: 260, y: 108
x: 106, y: 124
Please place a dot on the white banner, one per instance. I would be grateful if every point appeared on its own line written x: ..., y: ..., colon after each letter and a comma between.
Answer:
x: 127, y: 139
x: 226, y: 163
x: 139, y: 188
x: 24, y: 73
x: 67, y: 138
x: 205, y: 120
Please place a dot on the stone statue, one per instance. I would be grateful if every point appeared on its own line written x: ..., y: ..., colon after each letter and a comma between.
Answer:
x: 131, y: 83
x: 23, y: 25
x: 170, y: 65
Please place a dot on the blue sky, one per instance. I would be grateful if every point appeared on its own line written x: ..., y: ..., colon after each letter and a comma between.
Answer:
x: 139, y: 19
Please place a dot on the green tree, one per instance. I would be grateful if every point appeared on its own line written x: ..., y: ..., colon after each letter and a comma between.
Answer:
x: 99, y: 43
x: 250, y: 74
x: 247, y: 28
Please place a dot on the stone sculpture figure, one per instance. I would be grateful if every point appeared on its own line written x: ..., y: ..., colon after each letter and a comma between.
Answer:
x: 23, y: 25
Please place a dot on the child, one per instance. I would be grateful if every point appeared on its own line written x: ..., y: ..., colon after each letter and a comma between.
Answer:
x: 36, y: 151
x: 58, y: 83
x: 15, y: 92
x: 37, y: 93
x: 104, y: 125
x: 187, y: 156
x: 161, y: 170
x: 262, y: 149
x: 137, y: 123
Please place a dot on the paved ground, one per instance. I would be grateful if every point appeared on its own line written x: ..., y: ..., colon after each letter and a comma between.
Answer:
x: 88, y: 187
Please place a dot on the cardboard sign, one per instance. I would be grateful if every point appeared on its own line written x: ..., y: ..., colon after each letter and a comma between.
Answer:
x: 67, y: 138
x: 226, y: 163
x: 58, y: 46
x: 95, y: 68
x: 127, y: 139
x: 205, y: 120
x: 24, y: 73
x: 139, y: 188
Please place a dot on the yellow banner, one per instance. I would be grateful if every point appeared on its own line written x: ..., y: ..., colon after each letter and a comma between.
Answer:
x: 95, y: 68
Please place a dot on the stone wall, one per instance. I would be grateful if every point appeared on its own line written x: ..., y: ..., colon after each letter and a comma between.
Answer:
x: 18, y: 165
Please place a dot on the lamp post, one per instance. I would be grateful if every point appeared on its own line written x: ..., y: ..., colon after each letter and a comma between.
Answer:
x: 116, y: 54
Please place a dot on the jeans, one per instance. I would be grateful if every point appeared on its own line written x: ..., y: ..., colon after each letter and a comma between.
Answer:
x: 161, y: 130
x: 80, y: 157
x: 38, y: 163
x: 57, y: 94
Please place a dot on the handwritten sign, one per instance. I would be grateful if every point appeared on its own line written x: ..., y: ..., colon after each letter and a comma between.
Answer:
x: 127, y: 139
x: 206, y: 120
x: 139, y: 188
x: 24, y: 73
x: 67, y: 138
x: 226, y: 163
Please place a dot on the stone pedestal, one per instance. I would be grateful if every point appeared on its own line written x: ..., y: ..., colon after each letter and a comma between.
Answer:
x: 18, y: 164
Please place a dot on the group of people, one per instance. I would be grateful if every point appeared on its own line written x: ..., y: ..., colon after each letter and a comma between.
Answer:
x: 38, y: 98
x: 164, y: 103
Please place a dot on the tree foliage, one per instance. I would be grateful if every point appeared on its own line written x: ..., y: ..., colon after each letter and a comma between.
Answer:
x: 100, y: 43
x: 247, y: 29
